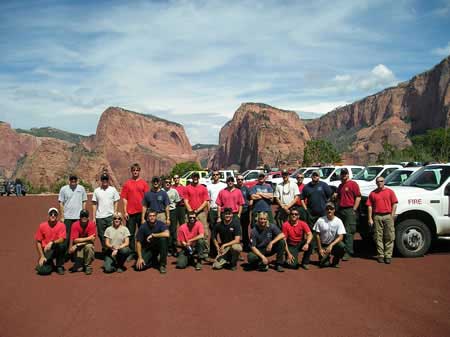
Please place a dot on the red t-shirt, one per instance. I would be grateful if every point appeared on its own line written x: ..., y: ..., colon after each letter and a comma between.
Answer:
x: 382, y: 200
x: 46, y: 233
x: 184, y: 234
x: 294, y: 234
x: 181, y: 192
x: 300, y: 189
x: 347, y: 193
x: 232, y: 199
x: 77, y: 231
x: 133, y: 191
x: 196, y: 195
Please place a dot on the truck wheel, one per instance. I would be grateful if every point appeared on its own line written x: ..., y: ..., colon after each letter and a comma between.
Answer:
x: 412, y: 238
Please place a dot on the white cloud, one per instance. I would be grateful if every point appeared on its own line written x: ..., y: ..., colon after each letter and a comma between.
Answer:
x: 444, y: 51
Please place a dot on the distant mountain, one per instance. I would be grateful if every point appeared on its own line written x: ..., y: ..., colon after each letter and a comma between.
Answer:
x: 203, y: 146
x: 53, y: 133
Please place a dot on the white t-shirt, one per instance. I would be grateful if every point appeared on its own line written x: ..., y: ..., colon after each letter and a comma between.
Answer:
x: 117, y: 235
x: 329, y: 229
x: 286, y: 192
x: 105, y: 201
x: 213, y: 192
x: 72, y: 201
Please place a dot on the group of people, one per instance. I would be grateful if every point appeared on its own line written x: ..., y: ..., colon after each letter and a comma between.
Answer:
x: 217, y: 223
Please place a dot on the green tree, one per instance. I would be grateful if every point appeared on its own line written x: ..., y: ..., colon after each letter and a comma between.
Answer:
x: 182, y: 168
x: 320, y: 151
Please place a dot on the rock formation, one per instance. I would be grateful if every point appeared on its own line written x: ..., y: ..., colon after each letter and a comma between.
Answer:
x: 123, y: 137
x: 390, y: 116
x: 205, y: 153
x: 260, y: 134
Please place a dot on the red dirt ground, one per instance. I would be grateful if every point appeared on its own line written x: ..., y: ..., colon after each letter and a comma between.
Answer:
x: 363, y: 298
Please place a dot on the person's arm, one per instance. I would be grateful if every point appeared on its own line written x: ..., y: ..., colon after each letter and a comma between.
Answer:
x: 357, y: 202
x: 140, y: 263
x: 239, y: 211
x: 257, y: 252
x: 125, y: 205
x: 369, y: 215
x: 167, y: 210
x: 255, y: 196
x: 187, y: 205
x: 267, y: 195
x: 235, y: 241
x: 42, y: 258
x: 275, y: 240
x: 86, y: 240
x: 116, y: 203
x: 94, y: 211
x: 338, y: 239
x: 309, y: 238
x: 320, y: 250
x: 394, y: 210
x: 195, y: 238
x: 202, y: 206
x: 61, y: 211
x: 304, y: 204
x: 164, y: 234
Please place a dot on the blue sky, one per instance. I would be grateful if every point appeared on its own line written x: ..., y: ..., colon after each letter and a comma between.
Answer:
x: 62, y: 63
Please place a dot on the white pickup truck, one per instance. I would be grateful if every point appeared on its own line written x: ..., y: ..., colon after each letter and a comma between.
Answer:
x: 423, y: 210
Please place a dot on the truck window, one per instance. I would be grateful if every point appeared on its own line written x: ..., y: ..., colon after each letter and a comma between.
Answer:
x: 429, y: 178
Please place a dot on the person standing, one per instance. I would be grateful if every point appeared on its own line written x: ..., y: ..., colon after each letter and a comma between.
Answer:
x: 181, y: 207
x: 174, y: 199
x: 330, y: 233
x: 157, y: 200
x: 382, y: 205
x: 316, y: 193
x: 132, y: 194
x: 230, y: 197
x: 197, y: 201
x: 213, y: 191
x: 82, y: 238
x: 286, y: 195
x: 348, y: 197
x: 72, y: 199
x: 117, y: 240
x: 50, y: 238
x: 262, y: 196
x: 245, y: 213
x: 104, y: 205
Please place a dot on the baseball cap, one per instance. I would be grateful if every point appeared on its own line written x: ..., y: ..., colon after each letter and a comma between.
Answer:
x: 156, y: 179
x: 104, y: 176
x: 330, y: 205
x: 315, y: 173
x: 84, y: 213
x: 53, y: 209
x: 285, y: 172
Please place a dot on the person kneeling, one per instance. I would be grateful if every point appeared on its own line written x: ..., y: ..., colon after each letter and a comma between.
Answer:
x: 82, y: 237
x: 330, y: 233
x: 227, y: 238
x: 191, y: 240
x: 50, y: 238
x: 152, y: 239
x: 298, y: 239
x: 266, y: 240
x: 117, y: 241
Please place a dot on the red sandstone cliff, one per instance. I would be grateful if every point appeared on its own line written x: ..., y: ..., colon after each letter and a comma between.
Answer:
x: 260, y: 134
x: 123, y: 137
x: 390, y: 116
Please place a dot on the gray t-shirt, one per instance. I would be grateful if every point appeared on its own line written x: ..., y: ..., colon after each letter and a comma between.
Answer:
x: 174, y: 198
x: 72, y: 201
x: 117, y: 235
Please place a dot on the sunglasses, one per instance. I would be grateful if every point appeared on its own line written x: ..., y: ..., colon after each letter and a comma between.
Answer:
x: 136, y: 170
x: 167, y: 182
x: 300, y: 177
x: 294, y: 214
x: 192, y: 218
x: 216, y: 175
x: 53, y: 214
x: 176, y: 177
x: 330, y: 209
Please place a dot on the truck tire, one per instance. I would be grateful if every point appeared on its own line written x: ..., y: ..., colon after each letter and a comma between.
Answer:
x: 412, y: 238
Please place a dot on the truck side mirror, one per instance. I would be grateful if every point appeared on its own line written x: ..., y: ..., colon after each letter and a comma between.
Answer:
x: 447, y: 190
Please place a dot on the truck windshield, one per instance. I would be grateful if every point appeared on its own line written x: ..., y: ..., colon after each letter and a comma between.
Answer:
x: 429, y: 178
x: 369, y: 173
x: 325, y: 172
x: 297, y: 171
x: 397, y: 177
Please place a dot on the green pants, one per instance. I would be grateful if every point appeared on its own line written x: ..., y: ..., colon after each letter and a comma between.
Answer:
x: 297, y: 249
x: 112, y: 263
x: 102, y: 224
x: 84, y: 255
x: 348, y: 217
x: 277, y: 248
x: 133, y: 223
x: 57, y: 253
x: 199, y: 252
x: 384, y: 235
x: 68, y: 223
x: 338, y: 252
x: 150, y: 253
x: 173, y: 231
x: 180, y: 215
